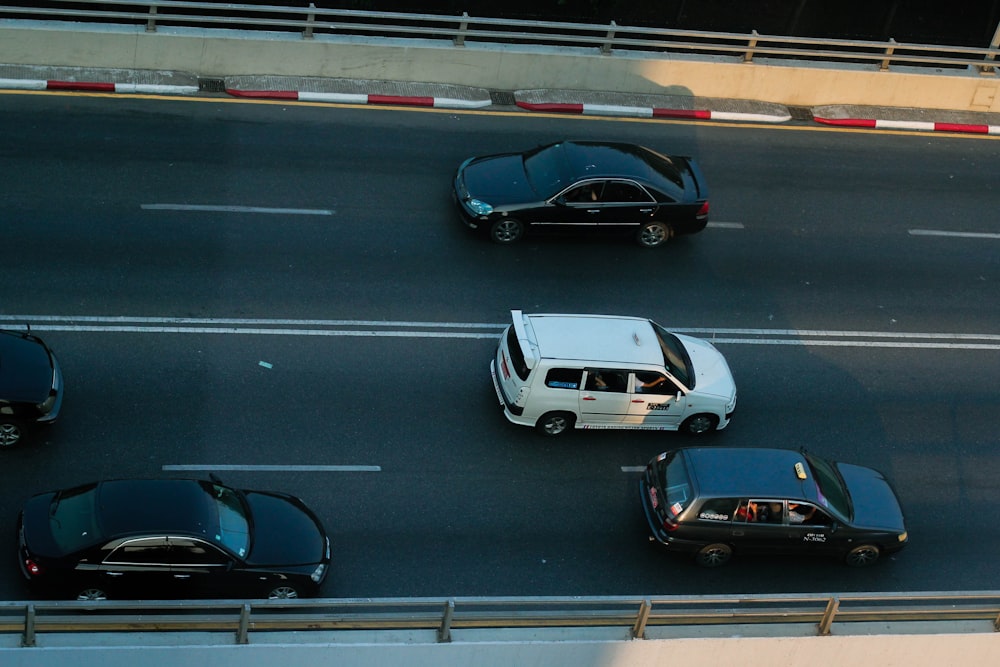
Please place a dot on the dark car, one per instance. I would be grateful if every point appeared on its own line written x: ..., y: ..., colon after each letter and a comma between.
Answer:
x: 30, y: 385
x: 583, y: 187
x: 714, y: 501
x: 171, y: 538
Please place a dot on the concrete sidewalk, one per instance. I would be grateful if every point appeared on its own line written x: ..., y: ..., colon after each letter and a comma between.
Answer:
x: 355, y: 91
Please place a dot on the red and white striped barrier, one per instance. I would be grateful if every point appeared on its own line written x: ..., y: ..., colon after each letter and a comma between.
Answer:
x: 652, y: 112
x: 96, y: 86
x: 362, y: 98
x: 926, y: 126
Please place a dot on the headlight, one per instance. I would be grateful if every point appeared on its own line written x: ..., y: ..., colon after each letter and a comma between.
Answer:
x: 479, y: 207
x: 901, y: 537
x: 317, y: 574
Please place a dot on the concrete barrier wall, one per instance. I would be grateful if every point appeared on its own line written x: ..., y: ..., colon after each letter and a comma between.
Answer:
x: 218, y: 53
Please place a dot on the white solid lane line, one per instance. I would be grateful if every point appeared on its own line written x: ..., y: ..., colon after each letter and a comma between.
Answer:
x: 965, y: 235
x: 269, y: 468
x: 236, y: 209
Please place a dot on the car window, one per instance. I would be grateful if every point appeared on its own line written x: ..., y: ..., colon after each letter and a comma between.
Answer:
x: 563, y: 378
x: 675, y: 357
x: 673, y: 476
x: 517, y: 355
x: 651, y: 382
x: 761, y: 511
x: 189, y: 551
x: 587, y: 193
x: 623, y: 192
x: 718, y: 509
x: 546, y: 170
x: 807, y: 514
x: 234, y: 524
x: 141, y: 551
x: 831, y: 488
x: 601, y: 380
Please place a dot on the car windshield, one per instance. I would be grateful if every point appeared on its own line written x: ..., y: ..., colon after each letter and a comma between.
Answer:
x: 830, y: 485
x: 546, y: 170
x: 675, y: 356
x: 234, y: 519
x: 673, y: 477
x: 73, y: 518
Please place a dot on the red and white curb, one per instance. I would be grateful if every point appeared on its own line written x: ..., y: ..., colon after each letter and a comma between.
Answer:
x: 362, y: 98
x: 926, y: 126
x: 652, y: 112
x: 96, y: 86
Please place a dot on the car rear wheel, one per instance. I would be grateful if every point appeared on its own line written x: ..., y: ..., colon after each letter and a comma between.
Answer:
x: 698, y: 424
x: 554, y: 423
x: 863, y: 555
x: 654, y: 234
x: 283, y: 593
x: 11, y: 433
x: 506, y: 230
x: 714, y: 555
x: 92, y: 594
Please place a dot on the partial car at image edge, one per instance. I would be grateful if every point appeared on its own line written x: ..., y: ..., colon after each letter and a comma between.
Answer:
x: 31, y: 386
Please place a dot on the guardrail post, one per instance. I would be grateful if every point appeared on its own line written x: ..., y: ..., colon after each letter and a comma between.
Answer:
x: 444, y: 632
x: 28, y: 639
x: 243, y: 632
x: 639, y: 629
x: 994, y: 43
x: 310, y: 20
x: 610, y: 39
x: 462, y: 28
x: 151, y: 21
x: 751, y: 45
x: 832, y: 605
x: 888, y: 52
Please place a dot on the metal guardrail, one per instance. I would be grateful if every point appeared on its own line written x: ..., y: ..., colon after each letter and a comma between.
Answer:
x: 443, y: 615
x: 310, y: 21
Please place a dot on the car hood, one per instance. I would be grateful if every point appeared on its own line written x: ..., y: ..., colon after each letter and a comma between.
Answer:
x: 498, y: 180
x: 874, y: 501
x: 25, y: 369
x: 711, y: 372
x: 285, y: 531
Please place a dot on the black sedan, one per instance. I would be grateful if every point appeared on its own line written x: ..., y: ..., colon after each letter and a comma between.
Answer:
x: 171, y: 538
x: 30, y: 385
x: 714, y: 501
x: 583, y: 187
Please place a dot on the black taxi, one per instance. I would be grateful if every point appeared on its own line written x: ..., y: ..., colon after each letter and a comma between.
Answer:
x: 712, y: 501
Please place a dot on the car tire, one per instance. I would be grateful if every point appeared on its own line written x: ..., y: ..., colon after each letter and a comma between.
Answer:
x: 863, y: 555
x: 699, y: 424
x: 283, y: 592
x: 654, y: 234
x: 11, y: 433
x: 552, y: 424
x: 714, y: 555
x: 92, y: 594
x: 506, y: 230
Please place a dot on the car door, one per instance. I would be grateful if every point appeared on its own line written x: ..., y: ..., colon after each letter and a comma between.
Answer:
x: 654, y: 400
x: 814, y: 532
x: 759, y: 526
x: 202, y: 569
x: 136, y: 568
x: 604, y: 397
x: 576, y: 210
x: 624, y: 205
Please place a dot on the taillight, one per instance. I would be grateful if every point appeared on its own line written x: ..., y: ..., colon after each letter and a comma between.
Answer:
x: 703, y: 211
x: 669, y: 525
x: 33, y: 568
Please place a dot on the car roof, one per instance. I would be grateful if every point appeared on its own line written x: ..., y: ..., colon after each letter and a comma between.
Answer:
x: 594, y: 159
x: 596, y: 338
x: 133, y: 506
x: 749, y: 472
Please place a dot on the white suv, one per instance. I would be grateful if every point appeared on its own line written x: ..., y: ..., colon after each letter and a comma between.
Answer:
x: 555, y: 372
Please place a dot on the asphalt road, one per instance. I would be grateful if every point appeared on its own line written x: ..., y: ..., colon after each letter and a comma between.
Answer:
x: 166, y: 248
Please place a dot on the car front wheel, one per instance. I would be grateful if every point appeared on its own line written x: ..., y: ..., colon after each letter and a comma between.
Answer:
x: 283, y: 592
x: 698, y: 424
x: 506, y: 230
x: 11, y: 433
x: 863, y: 555
x: 554, y: 423
x: 654, y: 234
x: 714, y: 555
